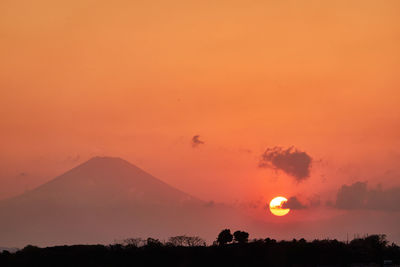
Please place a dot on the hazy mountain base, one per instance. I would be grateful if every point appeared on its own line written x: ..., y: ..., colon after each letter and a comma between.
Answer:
x: 106, y: 199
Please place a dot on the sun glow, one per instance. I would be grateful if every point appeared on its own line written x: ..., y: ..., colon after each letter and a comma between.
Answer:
x: 275, y: 206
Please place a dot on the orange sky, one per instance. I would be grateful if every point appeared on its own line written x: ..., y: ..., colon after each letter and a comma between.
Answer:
x: 138, y: 79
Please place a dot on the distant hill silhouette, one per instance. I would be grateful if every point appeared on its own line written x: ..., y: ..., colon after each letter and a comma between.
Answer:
x: 8, y: 249
x: 98, y: 201
x: 369, y: 251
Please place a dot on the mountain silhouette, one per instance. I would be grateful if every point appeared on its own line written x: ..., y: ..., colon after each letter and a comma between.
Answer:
x: 106, y: 179
x: 99, y: 201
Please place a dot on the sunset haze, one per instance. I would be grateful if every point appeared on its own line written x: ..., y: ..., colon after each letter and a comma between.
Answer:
x: 233, y: 102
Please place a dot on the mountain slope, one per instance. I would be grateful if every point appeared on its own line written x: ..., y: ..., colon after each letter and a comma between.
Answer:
x: 101, y: 200
x: 107, y: 179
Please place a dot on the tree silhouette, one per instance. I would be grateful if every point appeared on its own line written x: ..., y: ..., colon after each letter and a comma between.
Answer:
x: 241, y: 237
x: 133, y: 242
x: 224, y: 237
x: 186, y: 241
x: 269, y: 241
x: 153, y: 243
x: 372, y: 250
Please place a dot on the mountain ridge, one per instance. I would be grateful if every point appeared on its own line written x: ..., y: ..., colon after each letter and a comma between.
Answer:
x: 106, y: 175
x: 97, y: 201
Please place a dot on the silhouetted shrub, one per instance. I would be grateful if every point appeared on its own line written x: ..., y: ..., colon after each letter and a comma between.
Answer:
x: 224, y: 237
x: 241, y: 237
x: 153, y: 243
x: 134, y: 242
x: 186, y: 241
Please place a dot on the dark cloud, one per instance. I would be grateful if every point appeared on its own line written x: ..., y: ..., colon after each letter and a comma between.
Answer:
x: 358, y: 196
x: 291, y: 161
x: 293, y: 203
x: 296, y: 204
x: 196, y: 141
x: 352, y: 196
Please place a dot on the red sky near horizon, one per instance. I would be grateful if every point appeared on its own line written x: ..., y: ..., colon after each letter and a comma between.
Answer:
x: 139, y: 79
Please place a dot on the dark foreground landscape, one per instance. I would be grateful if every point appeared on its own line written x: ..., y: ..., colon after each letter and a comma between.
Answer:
x: 227, y: 250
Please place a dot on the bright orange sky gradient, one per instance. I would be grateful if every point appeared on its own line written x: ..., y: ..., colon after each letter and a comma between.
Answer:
x: 138, y: 79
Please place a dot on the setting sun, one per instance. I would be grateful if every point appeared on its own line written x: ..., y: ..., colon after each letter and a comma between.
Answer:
x: 275, y: 206
x: 160, y: 133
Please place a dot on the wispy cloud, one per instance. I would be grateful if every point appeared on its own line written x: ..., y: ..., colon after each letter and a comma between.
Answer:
x: 196, y: 141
